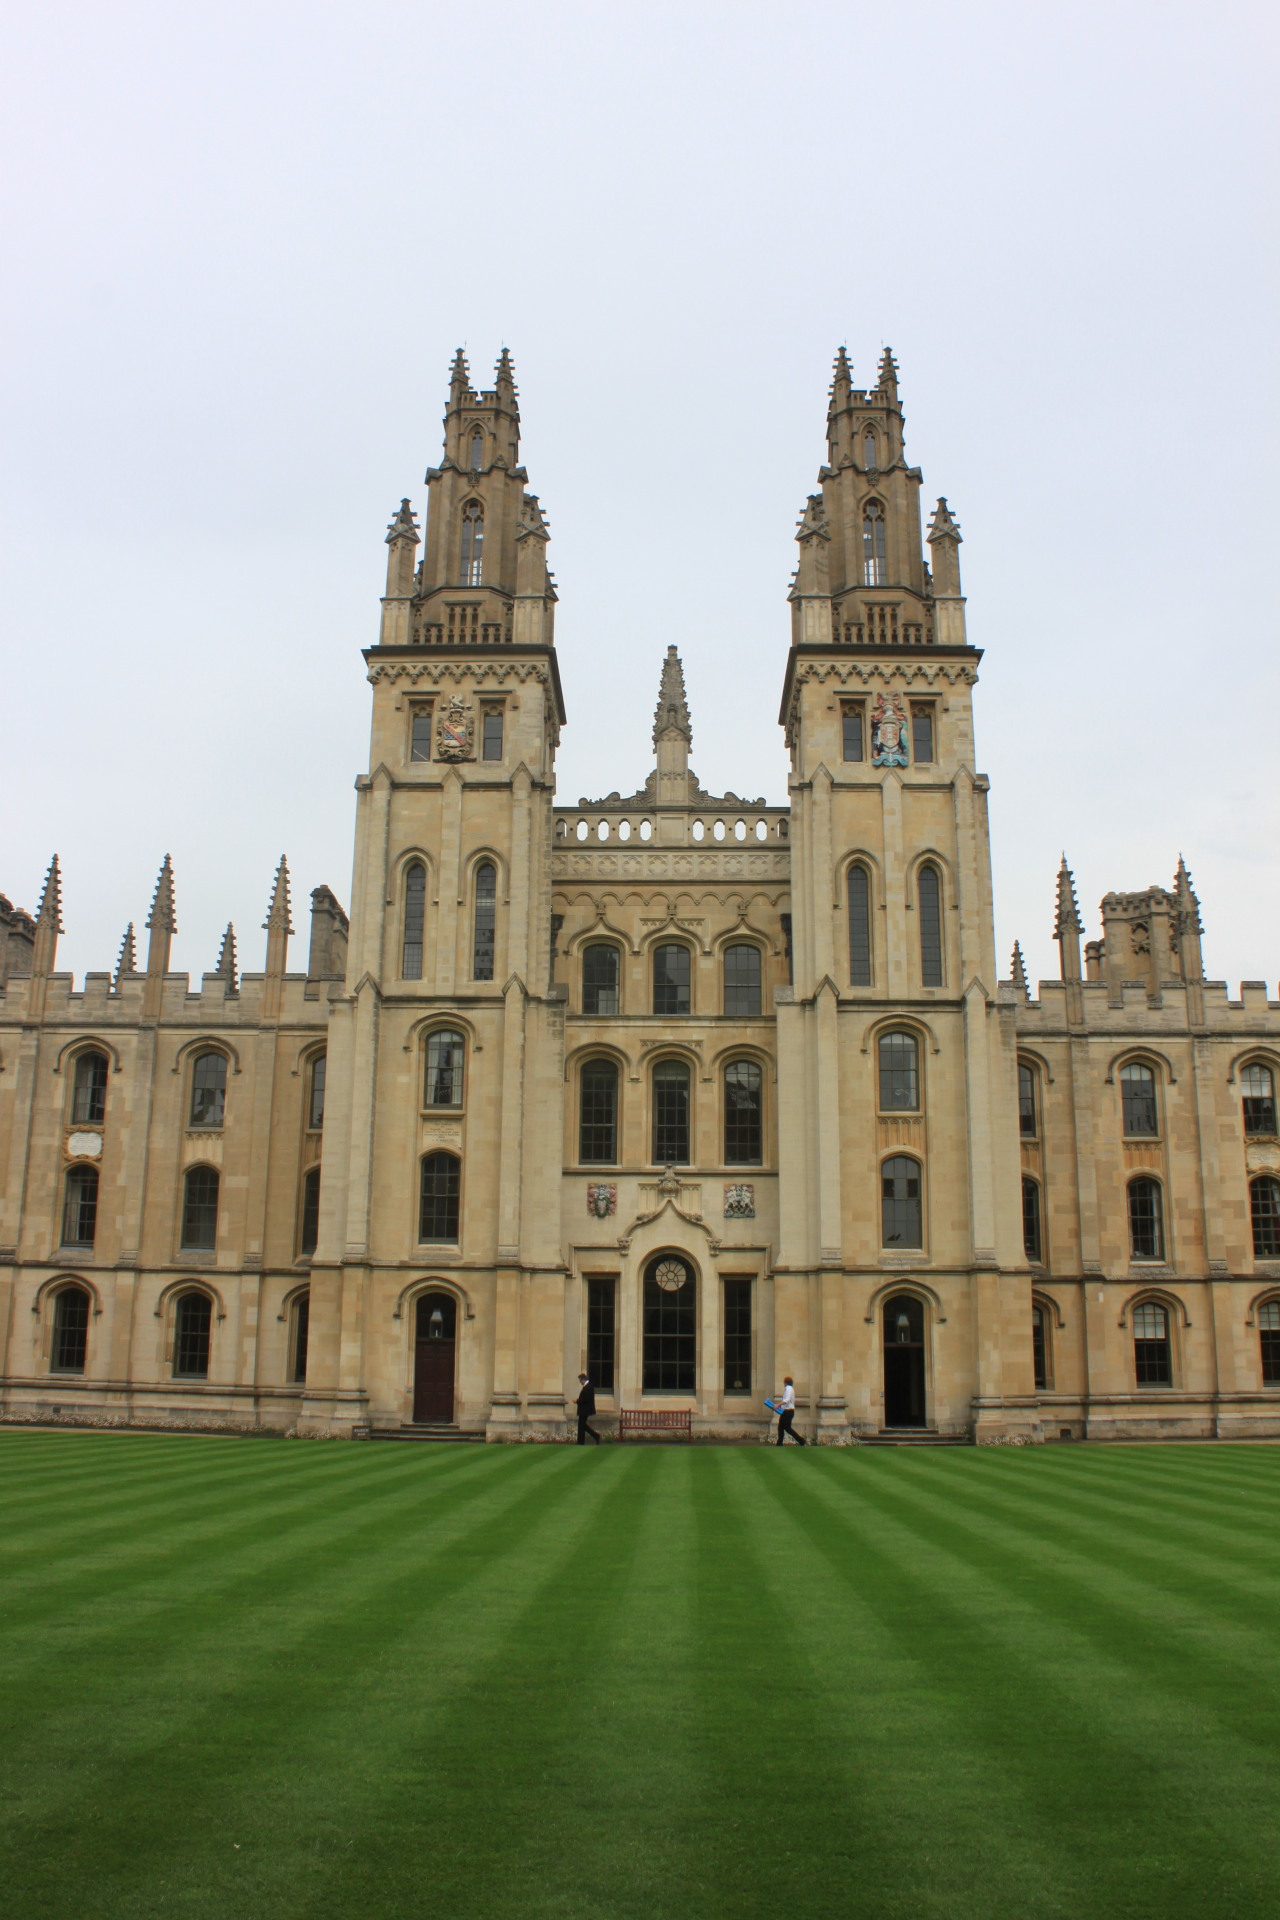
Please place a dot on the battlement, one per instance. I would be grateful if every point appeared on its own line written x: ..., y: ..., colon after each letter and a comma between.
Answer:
x: 215, y: 1002
x: 1177, y: 1007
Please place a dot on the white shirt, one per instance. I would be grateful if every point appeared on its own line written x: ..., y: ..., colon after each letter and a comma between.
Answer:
x: 788, y: 1399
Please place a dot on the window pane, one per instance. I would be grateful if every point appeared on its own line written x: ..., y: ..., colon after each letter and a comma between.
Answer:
x: 1151, y: 1349
x: 1026, y: 1101
x: 89, y: 1103
x: 1031, y: 1219
x: 737, y: 1336
x: 1264, y: 1208
x: 209, y: 1090
x: 445, y: 1050
x: 851, y: 725
x: 742, y: 974
x: 598, y: 1113
x: 477, y: 452
x: 301, y: 1331
x: 80, y: 1208
x: 310, y: 1232
x: 472, y: 544
x: 874, y: 571
x: 743, y: 1105
x: 70, y: 1330
x: 420, y: 735
x: 1146, y: 1226
x: 600, y: 980
x: 921, y: 734
x: 486, y: 921
x: 415, y: 914
x: 192, y: 1317
x: 670, y: 1326
x: 315, y: 1111
x: 671, y: 1113
x: 1269, y: 1338
x: 200, y: 1209
x: 601, y: 1333
x: 900, y: 1202
x: 930, y: 906
x: 868, y: 449
x: 671, y: 975
x: 1138, y: 1099
x: 899, y: 1077
x: 492, y: 737
x: 859, y: 927
x: 438, y: 1216
x: 1039, y: 1349
x: 1258, y: 1087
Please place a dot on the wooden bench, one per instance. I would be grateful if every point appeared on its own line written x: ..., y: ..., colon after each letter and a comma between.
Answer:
x: 650, y: 1420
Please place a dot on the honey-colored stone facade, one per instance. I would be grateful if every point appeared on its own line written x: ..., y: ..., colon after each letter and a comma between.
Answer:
x: 733, y: 1091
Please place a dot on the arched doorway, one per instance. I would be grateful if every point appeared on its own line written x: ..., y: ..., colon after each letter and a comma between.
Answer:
x: 670, y: 1326
x: 434, y: 1348
x: 903, y: 1361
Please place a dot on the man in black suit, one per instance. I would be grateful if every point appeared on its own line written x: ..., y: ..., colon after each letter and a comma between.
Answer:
x: 586, y: 1407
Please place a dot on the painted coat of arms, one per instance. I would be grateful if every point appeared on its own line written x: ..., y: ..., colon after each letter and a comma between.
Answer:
x: 602, y: 1198
x: 888, y: 732
x: 455, y: 730
x: 740, y: 1201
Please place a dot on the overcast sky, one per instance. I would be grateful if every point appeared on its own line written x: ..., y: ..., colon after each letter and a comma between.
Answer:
x: 242, y: 243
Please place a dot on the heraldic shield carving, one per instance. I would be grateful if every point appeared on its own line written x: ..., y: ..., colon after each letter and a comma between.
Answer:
x: 455, y: 731
x: 602, y: 1198
x: 888, y: 732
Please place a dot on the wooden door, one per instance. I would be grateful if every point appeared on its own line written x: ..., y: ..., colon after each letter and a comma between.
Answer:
x: 434, y: 1353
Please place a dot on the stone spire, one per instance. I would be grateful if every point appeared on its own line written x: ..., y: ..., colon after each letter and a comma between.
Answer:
x: 402, y: 544
x: 841, y: 383
x: 672, y: 715
x: 944, y: 551
x: 128, y: 961
x: 1068, y: 926
x: 226, y: 967
x: 459, y: 378
x: 1188, y: 925
x: 1018, y: 972
x: 888, y: 381
x: 48, y: 922
x: 163, y: 924
x: 504, y: 380
x: 278, y: 924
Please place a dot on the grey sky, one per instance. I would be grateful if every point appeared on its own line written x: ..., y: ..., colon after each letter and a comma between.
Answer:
x: 242, y: 243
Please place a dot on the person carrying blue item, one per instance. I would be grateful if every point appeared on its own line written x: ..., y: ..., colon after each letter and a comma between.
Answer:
x: 786, y: 1412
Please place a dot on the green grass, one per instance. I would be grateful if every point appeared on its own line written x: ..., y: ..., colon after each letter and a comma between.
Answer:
x: 255, y: 1681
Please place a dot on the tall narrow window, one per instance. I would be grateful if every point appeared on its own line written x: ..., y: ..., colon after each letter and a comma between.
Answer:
x: 921, y: 735
x: 1040, y: 1349
x: 671, y: 973
x: 298, y: 1342
x: 602, y: 1320
x: 315, y: 1103
x: 1138, y: 1099
x: 598, y: 1114
x: 1031, y: 1235
x: 438, y: 1211
x: 851, y: 731
x: 309, y: 1232
x: 1269, y: 1340
x: 472, y: 543
x: 486, y: 922
x: 420, y: 734
x: 1264, y: 1212
x: 1146, y: 1220
x: 859, y: 927
x: 737, y: 1336
x: 70, y: 1330
x: 192, y: 1318
x: 477, y: 451
x: 600, y: 980
x: 743, y: 1104
x: 446, y: 1050
x: 80, y: 1207
x: 208, y: 1090
x: 742, y: 979
x: 874, y: 568
x: 200, y: 1209
x: 89, y: 1101
x: 1152, y: 1359
x: 670, y: 1326
x: 491, y: 734
x: 415, y: 916
x: 901, y: 1222
x: 1257, y: 1084
x: 929, y: 901
x: 1028, y: 1119
x: 869, y: 451
x: 899, y: 1073
x: 671, y: 1114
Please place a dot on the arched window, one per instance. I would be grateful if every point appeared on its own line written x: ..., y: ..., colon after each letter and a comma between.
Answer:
x: 1152, y: 1358
x: 1138, y: 1099
x: 1257, y: 1084
x: 742, y: 975
x: 80, y: 1207
x: 1146, y: 1220
x: 1264, y: 1212
x: 1269, y: 1341
x: 192, y: 1318
x: 874, y: 569
x: 477, y: 450
x: 438, y: 1212
x: 869, y: 460
x: 89, y: 1101
x: 70, y: 1330
x: 743, y: 1114
x: 446, y: 1050
x: 600, y: 979
x: 1028, y: 1116
x: 486, y: 921
x: 899, y: 1073
x: 472, y: 543
x: 298, y: 1334
x: 200, y: 1209
x: 671, y: 1113
x: 900, y: 1211
x: 859, y: 927
x: 670, y: 1326
x: 671, y: 974
x: 309, y: 1232
x: 315, y: 1101
x: 598, y: 1113
x: 208, y: 1090
x: 1040, y: 1348
x: 415, y: 915
x: 904, y: 1375
x: 929, y: 900
x: 1032, y: 1240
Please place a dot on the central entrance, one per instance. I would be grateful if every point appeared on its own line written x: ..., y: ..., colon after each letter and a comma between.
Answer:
x: 434, y: 1347
x: 903, y: 1361
x: 670, y: 1326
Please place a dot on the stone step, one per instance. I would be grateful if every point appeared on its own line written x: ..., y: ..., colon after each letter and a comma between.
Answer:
x: 423, y: 1430
x: 913, y: 1437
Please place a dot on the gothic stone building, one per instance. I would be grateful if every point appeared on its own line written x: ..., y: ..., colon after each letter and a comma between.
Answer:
x: 682, y: 1088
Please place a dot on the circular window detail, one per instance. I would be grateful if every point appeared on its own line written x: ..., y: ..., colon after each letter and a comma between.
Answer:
x: 671, y: 1275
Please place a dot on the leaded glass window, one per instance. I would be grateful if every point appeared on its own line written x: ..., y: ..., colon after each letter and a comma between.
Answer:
x: 486, y: 922
x: 671, y: 977
x: 70, y: 1330
x: 921, y: 735
x: 602, y: 1317
x: 1031, y: 1236
x: 1028, y: 1122
x: 859, y: 927
x: 315, y: 1104
x: 600, y: 979
x: 598, y: 1113
x: 1257, y: 1084
x: 1152, y: 1359
x: 300, y: 1333
x: 491, y: 734
x: 477, y: 451
x: 1040, y: 1349
x: 309, y: 1232
x: 874, y: 567
x: 420, y: 734
x: 89, y: 1101
x: 869, y: 460
x: 1264, y: 1212
x: 743, y: 1114
x: 192, y: 1319
x: 1269, y: 1339
x: 438, y: 1211
x: 670, y: 1326
x: 200, y: 1209
x: 1138, y: 1099
x: 899, y: 1073
x: 1146, y: 1220
x: 671, y: 1113
x: 929, y: 890
x: 851, y: 731
x: 472, y: 543
x: 415, y: 916
x: 446, y: 1050
x: 208, y: 1090
x: 742, y: 980
x: 900, y: 1210
x: 80, y: 1207
x: 737, y: 1336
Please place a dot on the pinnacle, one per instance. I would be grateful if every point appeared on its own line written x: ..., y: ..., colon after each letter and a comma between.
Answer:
x: 278, y: 911
x: 49, y: 912
x: 888, y: 371
x: 944, y: 525
x: 504, y: 372
x: 1019, y: 970
x: 673, y: 708
x: 403, y: 525
x: 226, y: 967
x: 1068, y: 915
x: 163, y: 911
x: 128, y: 961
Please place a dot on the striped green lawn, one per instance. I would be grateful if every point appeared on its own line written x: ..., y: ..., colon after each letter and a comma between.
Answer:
x: 252, y: 1679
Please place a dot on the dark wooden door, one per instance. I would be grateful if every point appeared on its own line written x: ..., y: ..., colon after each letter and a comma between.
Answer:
x: 433, y: 1380
x: 904, y: 1404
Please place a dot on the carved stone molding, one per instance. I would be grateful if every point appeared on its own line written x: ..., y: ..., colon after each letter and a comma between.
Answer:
x: 611, y: 863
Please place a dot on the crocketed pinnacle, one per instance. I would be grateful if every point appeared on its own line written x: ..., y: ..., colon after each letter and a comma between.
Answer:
x: 504, y: 378
x: 278, y: 919
x: 1019, y: 971
x: 128, y: 961
x: 49, y: 912
x: 672, y: 715
x: 404, y: 526
x: 459, y: 376
x: 1188, y: 904
x: 944, y: 525
x: 888, y: 372
x: 1068, y: 915
x: 841, y: 381
x: 163, y: 912
x: 226, y: 967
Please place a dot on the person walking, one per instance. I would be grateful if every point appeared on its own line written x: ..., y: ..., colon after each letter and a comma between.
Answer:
x: 786, y: 1413
x: 586, y: 1407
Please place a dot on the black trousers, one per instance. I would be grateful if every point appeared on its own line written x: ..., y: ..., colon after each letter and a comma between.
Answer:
x: 784, y: 1428
x: 584, y: 1430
